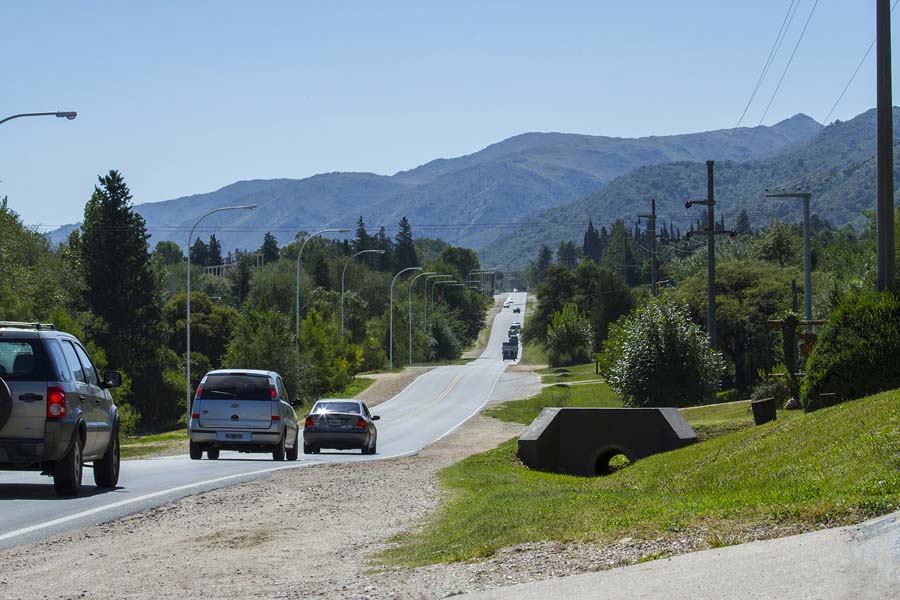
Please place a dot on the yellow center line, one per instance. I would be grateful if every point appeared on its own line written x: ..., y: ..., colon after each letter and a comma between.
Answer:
x: 440, y: 397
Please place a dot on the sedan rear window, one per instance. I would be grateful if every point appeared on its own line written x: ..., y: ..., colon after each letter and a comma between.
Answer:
x: 345, y: 407
x: 21, y: 360
x: 236, y: 386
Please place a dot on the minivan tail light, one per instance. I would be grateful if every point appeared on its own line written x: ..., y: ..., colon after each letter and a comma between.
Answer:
x: 56, y: 403
x: 274, y: 393
x: 276, y: 418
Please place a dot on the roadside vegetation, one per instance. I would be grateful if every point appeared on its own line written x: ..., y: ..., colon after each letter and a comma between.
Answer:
x: 810, y: 470
x: 127, y: 301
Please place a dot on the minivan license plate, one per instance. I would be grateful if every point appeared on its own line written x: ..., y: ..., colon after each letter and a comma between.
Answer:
x: 234, y: 436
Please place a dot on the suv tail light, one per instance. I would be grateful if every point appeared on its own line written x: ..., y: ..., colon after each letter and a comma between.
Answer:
x: 360, y: 423
x: 56, y: 403
x: 309, y: 422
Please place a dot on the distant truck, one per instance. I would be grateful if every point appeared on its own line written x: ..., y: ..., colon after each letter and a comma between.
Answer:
x: 510, y: 350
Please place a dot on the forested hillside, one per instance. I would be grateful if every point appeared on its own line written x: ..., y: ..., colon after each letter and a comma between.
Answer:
x: 833, y: 167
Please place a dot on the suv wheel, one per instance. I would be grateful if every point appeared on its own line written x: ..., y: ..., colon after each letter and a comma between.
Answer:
x: 67, y: 471
x: 278, y: 452
x: 106, y: 470
x: 196, y: 451
x: 292, y: 453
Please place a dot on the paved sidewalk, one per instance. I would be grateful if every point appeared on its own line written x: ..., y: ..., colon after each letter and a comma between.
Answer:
x: 856, y: 562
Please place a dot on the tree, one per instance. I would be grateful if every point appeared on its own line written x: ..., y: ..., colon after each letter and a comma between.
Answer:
x: 621, y: 253
x: 169, y: 253
x: 384, y: 261
x: 214, y: 252
x: 239, y: 277
x: 543, y: 262
x: 404, y: 248
x: 657, y: 357
x: 269, y: 249
x: 199, y: 252
x: 120, y: 285
x: 211, y: 325
x: 363, y: 240
x: 567, y: 254
x: 264, y: 340
x: 780, y: 243
x: 591, y: 246
x: 461, y: 260
x: 569, y: 338
x: 743, y: 227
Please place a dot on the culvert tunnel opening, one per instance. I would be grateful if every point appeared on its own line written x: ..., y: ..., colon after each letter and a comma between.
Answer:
x: 610, y: 461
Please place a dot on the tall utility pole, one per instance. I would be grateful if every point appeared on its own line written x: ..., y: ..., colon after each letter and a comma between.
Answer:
x: 710, y: 233
x: 885, y: 144
x: 652, y: 217
x: 807, y: 263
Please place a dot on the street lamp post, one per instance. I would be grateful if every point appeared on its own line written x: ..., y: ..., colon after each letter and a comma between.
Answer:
x: 299, y: 255
x: 343, y: 272
x: 411, y: 282
x: 63, y: 114
x: 425, y: 298
x: 434, y: 286
x: 391, y: 334
x: 187, y: 383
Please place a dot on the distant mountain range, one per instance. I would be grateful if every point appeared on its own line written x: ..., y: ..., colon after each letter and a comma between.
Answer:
x: 832, y: 166
x: 470, y: 200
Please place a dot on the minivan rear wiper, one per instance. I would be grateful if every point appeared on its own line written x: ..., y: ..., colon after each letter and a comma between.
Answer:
x: 221, y: 392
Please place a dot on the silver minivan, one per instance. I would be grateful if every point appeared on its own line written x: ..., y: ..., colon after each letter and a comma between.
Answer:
x: 245, y: 410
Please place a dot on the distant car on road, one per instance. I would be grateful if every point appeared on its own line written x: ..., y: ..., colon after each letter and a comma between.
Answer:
x: 517, y: 310
x: 341, y: 425
x: 244, y: 410
x: 56, y: 413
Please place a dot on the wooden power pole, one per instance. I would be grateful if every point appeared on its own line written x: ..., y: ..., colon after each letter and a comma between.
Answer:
x: 885, y: 148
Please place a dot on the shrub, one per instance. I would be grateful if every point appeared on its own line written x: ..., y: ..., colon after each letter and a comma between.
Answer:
x: 569, y: 338
x: 658, y: 357
x: 780, y: 389
x: 857, y: 351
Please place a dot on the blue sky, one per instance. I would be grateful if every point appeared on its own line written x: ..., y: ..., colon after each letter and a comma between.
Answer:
x: 186, y: 97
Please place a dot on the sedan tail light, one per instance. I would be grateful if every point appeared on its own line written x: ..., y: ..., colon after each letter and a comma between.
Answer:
x: 360, y: 423
x: 309, y: 422
x: 56, y: 403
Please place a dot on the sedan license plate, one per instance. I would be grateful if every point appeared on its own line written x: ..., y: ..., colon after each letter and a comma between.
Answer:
x: 233, y: 436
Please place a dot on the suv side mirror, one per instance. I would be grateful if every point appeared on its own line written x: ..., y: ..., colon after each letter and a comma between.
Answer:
x: 112, y: 379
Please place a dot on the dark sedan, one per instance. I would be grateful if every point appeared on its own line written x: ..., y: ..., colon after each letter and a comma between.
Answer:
x: 340, y: 425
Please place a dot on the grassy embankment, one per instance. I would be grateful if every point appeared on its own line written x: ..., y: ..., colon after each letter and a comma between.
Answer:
x: 838, y: 465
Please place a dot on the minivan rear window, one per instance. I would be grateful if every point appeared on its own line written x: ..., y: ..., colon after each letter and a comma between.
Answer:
x: 21, y: 360
x: 236, y: 386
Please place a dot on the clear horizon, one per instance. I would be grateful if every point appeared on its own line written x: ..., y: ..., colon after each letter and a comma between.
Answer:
x: 187, y: 99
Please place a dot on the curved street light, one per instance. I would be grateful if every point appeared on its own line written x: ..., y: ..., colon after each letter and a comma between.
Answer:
x: 411, y: 283
x: 187, y: 383
x: 343, y: 272
x: 299, y: 255
x: 425, y: 297
x: 62, y: 114
x: 391, y: 339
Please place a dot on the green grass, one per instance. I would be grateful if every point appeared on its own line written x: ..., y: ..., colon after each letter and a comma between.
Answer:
x: 524, y: 411
x: 142, y: 445
x: 354, y: 387
x: 533, y: 354
x: 834, y: 466
x: 568, y: 374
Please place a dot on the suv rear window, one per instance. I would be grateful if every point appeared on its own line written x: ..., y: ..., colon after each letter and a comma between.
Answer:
x: 236, y: 386
x: 21, y: 360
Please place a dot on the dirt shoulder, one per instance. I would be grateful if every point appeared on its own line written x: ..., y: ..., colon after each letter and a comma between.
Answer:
x: 304, y: 533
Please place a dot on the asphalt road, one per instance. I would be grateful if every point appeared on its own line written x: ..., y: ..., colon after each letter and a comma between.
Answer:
x: 431, y: 407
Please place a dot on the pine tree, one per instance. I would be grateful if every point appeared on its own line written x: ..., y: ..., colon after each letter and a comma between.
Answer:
x: 544, y: 260
x: 383, y: 242
x: 405, y: 250
x: 591, y: 246
x: 199, y: 253
x: 120, y: 286
x: 269, y: 248
x: 214, y: 252
x: 363, y: 240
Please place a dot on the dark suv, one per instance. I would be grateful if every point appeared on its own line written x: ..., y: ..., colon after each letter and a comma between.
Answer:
x: 56, y: 413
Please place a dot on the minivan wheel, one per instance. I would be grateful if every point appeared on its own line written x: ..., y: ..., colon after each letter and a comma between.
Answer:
x: 67, y: 471
x: 196, y: 451
x: 212, y: 454
x: 106, y: 470
x: 278, y: 452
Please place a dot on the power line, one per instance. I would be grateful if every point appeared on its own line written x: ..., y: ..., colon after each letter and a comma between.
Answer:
x: 776, y: 46
x: 781, y: 79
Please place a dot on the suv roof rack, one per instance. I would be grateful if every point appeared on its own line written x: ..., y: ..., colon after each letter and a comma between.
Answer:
x: 25, y: 325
